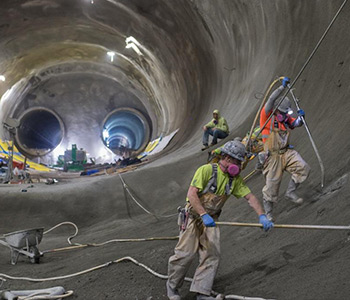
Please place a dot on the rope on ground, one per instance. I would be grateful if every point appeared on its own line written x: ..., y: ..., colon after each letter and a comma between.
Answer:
x: 2, y: 280
x: 112, y: 241
x: 45, y: 297
x: 126, y: 258
x: 143, y: 208
x: 79, y: 246
x: 70, y: 237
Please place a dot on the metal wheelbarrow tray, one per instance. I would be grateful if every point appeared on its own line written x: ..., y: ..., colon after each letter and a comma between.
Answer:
x: 24, y: 242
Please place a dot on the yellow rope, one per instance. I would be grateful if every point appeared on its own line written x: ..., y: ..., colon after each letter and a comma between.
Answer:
x: 260, y: 108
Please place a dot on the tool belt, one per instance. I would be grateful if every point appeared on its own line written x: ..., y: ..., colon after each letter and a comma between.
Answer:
x: 182, y: 218
x: 277, y: 142
x: 184, y: 213
x: 211, y: 202
x: 281, y: 151
x: 197, y: 216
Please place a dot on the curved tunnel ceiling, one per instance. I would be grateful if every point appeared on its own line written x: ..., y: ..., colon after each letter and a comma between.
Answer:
x: 172, y: 61
x: 84, y: 59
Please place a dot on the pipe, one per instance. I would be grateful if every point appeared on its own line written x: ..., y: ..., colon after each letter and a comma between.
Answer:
x: 57, y: 292
x: 125, y: 258
x: 249, y: 175
x: 306, y: 63
x: 113, y: 241
x: 287, y: 226
x: 70, y: 237
x: 310, y: 137
x: 259, y: 110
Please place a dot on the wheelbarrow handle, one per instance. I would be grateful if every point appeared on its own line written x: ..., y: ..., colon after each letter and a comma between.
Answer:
x: 287, y: 226
x: 5, y: 244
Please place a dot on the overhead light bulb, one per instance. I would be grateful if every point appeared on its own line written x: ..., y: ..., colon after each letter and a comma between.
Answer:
x: 131, y: 39
x: 134, y: 47
x: 111, y: 55
x: 131, y: 42
x: 2, y: 77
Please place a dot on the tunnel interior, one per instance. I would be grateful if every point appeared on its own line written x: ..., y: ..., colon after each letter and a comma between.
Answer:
x: 125, y: 131
x: 83, y: 72
x: 39, y: 133
x: 95, y: 63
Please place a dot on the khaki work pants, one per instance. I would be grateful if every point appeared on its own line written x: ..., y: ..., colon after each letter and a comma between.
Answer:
x: 292, y: 162
x: 205, y: 241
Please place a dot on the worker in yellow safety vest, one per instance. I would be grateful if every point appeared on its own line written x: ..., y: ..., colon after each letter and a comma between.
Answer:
x: 211, y: 186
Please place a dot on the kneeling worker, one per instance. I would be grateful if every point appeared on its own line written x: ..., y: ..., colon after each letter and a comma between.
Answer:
x: 211, y: 186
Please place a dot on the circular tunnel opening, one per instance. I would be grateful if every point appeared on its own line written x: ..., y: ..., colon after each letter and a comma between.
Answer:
x: 40, y: 131
x: 125, y: 132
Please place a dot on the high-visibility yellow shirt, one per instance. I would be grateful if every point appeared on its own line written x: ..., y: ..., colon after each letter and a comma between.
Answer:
x: 220, y: 124
x: 203, y: 175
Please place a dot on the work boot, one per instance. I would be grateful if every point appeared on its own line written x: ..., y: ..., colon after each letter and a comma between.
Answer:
x: 205, y: 146
x: 268, y: 206
x: 173, y: 294
x: 205, y: 297
x: 290, y: 193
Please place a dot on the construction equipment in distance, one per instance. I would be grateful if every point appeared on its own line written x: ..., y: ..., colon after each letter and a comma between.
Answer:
x: 74, y: 159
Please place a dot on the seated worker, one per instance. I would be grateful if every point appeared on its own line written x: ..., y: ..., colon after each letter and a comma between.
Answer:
x: 211, y: 186
x: 217, y: 128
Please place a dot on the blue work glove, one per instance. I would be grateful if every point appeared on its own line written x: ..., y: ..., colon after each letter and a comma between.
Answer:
x: 266, y: 223
x: 301, y: 113
x: 208, y: 220
x: 285, y: 81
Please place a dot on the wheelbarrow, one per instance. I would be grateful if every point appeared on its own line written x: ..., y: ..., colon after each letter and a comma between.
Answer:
x: 24, y: 242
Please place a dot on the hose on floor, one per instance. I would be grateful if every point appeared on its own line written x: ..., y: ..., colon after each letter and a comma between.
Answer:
x: 126, y: 258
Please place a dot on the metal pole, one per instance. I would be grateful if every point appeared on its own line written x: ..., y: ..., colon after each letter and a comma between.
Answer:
x: 259, y: 110
x: 249, y: 175
x: 305, y: 64
x: 311, y: 140
x: 287, y: 226
x: 10, y: 159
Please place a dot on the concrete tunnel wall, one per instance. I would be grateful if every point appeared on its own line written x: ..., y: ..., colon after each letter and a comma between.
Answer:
x: 216, y: 55
x: 198, y: 55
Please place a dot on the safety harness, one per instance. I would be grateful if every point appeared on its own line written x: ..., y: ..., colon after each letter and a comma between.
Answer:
x: 212, y: 183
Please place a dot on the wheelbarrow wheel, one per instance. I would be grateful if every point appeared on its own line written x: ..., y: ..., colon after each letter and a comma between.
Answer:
x: 36, y: 258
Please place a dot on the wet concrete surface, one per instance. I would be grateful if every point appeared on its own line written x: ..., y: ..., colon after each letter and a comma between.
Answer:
x: 235, y: 50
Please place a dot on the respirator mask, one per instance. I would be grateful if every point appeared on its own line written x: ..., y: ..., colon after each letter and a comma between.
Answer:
x: 233, y: 170
x: 281, y: 117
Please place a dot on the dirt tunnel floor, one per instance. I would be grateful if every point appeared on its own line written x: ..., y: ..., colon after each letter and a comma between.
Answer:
x: 284, y: 264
